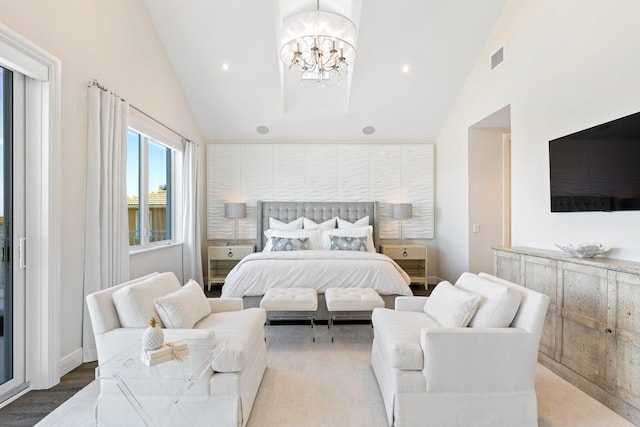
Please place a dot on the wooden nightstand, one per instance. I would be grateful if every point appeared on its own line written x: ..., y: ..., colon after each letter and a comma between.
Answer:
x: 223, y: 258
x: 412, y: 259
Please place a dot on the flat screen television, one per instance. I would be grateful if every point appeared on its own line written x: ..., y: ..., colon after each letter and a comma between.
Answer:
x: 597, y: 169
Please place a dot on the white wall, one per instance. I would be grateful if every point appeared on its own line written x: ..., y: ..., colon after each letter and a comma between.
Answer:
x: 485, y: 196
x: 115, y: 42
x: 568, y: 65
x: 385, y: 172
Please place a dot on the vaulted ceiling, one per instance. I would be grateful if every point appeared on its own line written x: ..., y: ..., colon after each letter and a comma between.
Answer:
x: 438, y: 40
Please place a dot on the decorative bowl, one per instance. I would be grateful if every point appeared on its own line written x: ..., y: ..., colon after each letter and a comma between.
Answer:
x: 583, y: 250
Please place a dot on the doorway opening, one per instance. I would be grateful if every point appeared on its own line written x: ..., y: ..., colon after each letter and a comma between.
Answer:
x: 489, y: 151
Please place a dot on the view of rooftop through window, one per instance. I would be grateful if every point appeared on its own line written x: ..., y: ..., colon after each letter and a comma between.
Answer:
x: 158, y: 196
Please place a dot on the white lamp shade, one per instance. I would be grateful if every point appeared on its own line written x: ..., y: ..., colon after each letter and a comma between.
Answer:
x: 235, y: 210
x: 401, y: 210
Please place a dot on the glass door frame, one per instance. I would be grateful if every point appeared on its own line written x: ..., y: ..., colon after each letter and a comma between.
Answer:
x: 14, y: 167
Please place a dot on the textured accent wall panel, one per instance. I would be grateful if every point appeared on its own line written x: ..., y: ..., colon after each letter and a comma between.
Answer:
x: 388, y: 173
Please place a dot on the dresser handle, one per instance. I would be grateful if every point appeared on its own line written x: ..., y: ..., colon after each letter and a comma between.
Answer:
x: 230, y: 254
x: 608, y: 331
x: 404, y: 253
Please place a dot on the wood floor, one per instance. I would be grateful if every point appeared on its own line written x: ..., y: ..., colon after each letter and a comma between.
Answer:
x: 35, y: 405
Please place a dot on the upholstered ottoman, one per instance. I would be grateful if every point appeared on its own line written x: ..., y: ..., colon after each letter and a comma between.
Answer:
x: 291, y: 304
x: 351, y: 303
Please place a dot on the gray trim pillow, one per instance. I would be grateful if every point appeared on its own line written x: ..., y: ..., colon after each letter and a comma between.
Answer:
x: 451, y: 307
x: 183, y: 308
x: 289, y: 244
x: 348, y: 243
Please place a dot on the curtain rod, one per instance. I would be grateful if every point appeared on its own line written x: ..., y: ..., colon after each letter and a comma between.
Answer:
x: 97, y: 84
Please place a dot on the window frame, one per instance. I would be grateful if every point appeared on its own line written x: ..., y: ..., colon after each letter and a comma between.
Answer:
x: 147, y: 135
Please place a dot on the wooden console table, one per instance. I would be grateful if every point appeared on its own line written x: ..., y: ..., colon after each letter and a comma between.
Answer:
x: 591, y: 335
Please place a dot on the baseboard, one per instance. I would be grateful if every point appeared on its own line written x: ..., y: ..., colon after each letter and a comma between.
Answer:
x: 71, y: 361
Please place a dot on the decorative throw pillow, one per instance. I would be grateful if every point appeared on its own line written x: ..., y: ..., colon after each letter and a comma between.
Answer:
x: 346, y: 243
x: 498, y: 303
x: 134, y: 303
x: 183, y: 308
x: 314, y: 237
x: 289, y: 244
x: 326, y: 225
x: 280, y: 225
x: 451, y: 307
x: 362, y: 222
x: 349, y: 232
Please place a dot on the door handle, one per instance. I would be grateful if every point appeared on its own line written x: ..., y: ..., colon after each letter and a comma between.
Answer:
x: 22, y: 252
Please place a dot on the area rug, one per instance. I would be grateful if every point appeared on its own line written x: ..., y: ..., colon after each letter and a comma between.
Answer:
x: 306, y: 383
x: 324, y: 383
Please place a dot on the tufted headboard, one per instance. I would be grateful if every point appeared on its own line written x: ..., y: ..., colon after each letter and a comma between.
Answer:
x: 315, y: 211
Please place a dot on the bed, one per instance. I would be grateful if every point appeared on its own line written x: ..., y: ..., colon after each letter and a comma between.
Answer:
x: 316, y: 266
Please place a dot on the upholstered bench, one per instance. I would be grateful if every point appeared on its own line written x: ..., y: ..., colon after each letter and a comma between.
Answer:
x: 290, y: 304
x: 351, y: 303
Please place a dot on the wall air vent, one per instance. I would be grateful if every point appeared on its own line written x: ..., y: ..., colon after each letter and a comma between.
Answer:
x: 497, y: 58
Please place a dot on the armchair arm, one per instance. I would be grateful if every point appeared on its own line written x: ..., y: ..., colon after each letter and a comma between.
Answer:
x: 479, y: 360
x: 113, y: 342
x: 219, y: 305
x: 410, y: 303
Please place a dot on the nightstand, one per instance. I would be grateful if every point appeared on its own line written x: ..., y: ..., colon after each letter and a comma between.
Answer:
x: 412, y: 259
x: 223, y: 258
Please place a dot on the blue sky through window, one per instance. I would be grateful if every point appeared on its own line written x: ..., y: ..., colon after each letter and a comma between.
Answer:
x: 157, y: 164
x: 133, y: 164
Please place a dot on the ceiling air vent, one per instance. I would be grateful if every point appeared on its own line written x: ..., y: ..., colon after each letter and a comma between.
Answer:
x: 497, y: 58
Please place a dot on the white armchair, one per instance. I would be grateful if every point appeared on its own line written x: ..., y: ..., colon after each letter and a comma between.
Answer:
x: 235, y: 374
x: 482, y: 375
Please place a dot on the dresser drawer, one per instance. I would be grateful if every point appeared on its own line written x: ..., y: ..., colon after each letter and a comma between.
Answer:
x: 229, y: 252
x: 404, y: 252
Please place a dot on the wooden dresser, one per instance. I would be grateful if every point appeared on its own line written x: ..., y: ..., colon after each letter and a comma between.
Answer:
x: 591, y: 335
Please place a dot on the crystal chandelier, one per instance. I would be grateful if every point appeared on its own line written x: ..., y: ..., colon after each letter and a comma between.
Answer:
x: 318, y: 46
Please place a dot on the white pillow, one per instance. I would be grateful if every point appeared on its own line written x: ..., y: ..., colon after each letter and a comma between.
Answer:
x: 498, y: 303
x: 314, y: 237
x: 349, y: 232
x: 326, y: 225
x: 134, y: 303
x: 279, y: 225
x: 183, y: 308
x: 362, y: 222
x: 451, y: 307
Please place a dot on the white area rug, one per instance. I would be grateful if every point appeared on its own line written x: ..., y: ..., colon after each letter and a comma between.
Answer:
x: 321, y: 384
x: 311, y: 384
x: 306, y: 383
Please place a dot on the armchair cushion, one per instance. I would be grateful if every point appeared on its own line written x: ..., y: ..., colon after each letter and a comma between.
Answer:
x: 238, y: 333
x: 184, y: 307
x: 498, y: 304
x: 451, y: 307
x: 398, y: 332
x: 134, y: 303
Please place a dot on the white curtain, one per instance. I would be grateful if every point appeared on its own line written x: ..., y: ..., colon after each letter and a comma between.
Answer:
x: 191, y: 255
x: 106, y: 243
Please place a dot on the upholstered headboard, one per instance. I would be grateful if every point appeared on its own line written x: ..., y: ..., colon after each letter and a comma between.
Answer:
x: 315, y: 211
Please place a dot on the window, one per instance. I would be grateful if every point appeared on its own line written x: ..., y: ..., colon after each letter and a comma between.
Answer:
x: 149, y: 190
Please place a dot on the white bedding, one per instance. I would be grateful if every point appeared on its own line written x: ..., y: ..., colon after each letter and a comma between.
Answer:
x: 317, y: 269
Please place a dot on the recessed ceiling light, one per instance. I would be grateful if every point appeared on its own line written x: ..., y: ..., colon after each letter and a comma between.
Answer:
x: 262, y: 130
x: 225, y: 67
x: 368, y: 130
x: 405, y: 69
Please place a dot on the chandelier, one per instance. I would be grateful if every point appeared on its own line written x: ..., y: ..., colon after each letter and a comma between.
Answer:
x: 318, y: 46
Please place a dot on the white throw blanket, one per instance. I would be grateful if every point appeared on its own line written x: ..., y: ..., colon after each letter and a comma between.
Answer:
x: 316, y: 269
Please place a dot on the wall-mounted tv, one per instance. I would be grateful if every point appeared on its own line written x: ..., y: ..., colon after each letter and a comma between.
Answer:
x: 597, y: 169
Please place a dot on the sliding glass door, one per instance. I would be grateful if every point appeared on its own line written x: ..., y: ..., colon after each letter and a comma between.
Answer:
x: 12, y: 233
